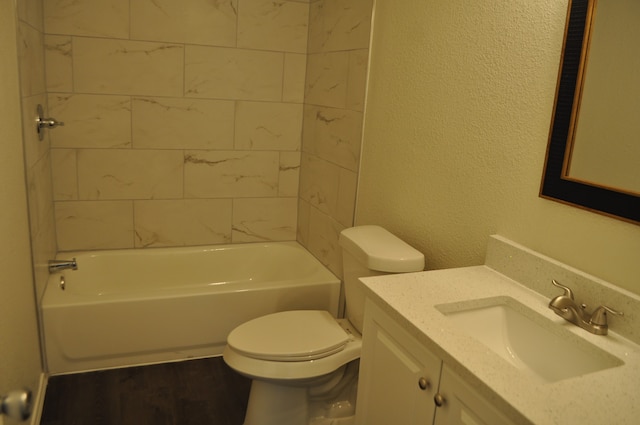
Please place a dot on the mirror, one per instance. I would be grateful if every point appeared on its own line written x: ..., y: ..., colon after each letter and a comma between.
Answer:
x: 592, y: 117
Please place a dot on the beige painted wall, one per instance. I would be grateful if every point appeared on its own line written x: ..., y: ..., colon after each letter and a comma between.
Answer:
x: 456, y: 126
x: 19, y: 347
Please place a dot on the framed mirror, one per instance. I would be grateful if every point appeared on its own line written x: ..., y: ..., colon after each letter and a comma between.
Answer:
x: 596, y: 102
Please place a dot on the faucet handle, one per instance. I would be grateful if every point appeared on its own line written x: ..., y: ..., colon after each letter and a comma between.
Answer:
x: 599, y: 315
x: 567, y: 291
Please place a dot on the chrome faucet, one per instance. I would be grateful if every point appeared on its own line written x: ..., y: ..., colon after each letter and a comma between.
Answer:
x: 57, y: 265
x: 565, y: 306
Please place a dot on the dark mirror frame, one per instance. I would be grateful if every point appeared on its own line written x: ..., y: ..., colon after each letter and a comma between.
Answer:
x: 555, y: 185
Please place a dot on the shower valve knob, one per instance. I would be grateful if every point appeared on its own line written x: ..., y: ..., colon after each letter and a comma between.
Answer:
x: 49, y: 123
x: 42, y: 123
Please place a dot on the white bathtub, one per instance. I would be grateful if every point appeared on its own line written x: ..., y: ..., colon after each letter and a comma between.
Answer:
x: 132, y: 307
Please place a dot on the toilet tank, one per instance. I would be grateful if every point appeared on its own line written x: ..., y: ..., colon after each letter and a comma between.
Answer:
x: 372, y: 251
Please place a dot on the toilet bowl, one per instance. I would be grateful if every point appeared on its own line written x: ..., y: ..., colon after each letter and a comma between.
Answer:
x: 296, y: 359
x: 304, y: 363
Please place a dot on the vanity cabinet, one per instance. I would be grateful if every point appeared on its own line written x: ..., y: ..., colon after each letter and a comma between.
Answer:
x: 402, y: 382
x: 398, y: 376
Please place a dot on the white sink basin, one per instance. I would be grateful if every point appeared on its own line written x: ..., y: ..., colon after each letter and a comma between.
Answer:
x: 528, y: 340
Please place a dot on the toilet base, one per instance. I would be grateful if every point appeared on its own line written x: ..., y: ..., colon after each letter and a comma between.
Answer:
x: 350, y: 420
x: 329, y: 400
x: 271, y: 404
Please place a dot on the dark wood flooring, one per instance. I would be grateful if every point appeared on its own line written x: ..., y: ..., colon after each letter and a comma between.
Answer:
x: 193, y: 392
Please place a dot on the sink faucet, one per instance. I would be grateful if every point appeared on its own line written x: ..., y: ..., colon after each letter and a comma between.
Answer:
x: 566, y: 307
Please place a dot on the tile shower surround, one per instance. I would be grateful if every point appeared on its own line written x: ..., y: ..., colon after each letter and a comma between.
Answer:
x: 184, y: 123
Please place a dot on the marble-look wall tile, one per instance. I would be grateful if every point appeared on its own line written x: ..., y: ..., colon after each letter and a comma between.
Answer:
x: 59, y: 63
x: 213, y: 93
x: 268, y: 126
x: 109, y: 174
x: 289, y: 174
x: 182, y: 222
x: 335, y: 88
x: 295, y: 66
x: 327, y: 79
x: 43, y: 248
x: 178, y: 123
x: 264, y: 219
x: 328, y: 188
x: 334, y: 135
x: 319, y: 183
x: 357, y: 80
x: 109, y: 66
x: 30, y: 11
x: 37, y: 156
x: 31, y: 58
x: 97, y: 18
x: 94, y: 225
x: 223, y: 73
x: 91, y: 121
x: 324, y: 232
x: 186, y: 21
x: 346, y: 203
x: 39, y: 193
x: 230, y: 174
x: 302, y: 232
x: 64, y: 171
x: 336, y: 25
x: 278, y: 25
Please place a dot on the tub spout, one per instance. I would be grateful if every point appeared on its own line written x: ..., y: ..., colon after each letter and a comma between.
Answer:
x: 58, y: 265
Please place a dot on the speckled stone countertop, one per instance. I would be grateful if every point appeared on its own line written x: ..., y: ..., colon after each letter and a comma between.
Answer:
x: 610, y: 396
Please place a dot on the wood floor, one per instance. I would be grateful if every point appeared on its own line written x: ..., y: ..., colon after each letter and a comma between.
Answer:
x: 194, y: 392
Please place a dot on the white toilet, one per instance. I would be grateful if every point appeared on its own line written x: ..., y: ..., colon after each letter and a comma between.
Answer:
x: 304, y: 364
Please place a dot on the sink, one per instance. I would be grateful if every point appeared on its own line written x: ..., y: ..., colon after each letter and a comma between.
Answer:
x: 526, y: 339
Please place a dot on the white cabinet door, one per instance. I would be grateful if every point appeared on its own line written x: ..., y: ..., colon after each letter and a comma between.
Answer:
x: 398, y: 376
x: 463, y: 405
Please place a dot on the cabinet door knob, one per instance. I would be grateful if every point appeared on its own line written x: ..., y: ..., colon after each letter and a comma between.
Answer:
x: 439, y: 400
x: 423, y: 383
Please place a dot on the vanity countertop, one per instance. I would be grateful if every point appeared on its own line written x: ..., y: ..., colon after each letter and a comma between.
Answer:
x: 610, y: 396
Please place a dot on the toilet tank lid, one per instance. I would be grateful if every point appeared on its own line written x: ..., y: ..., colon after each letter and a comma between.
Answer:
x: 380, y: 250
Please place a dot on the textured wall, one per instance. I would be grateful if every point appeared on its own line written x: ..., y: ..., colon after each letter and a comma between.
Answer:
x: 458, y: 114
x: 183, y: 120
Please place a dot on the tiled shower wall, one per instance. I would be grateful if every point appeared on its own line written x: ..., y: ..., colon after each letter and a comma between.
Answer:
x: 182, y: 120
x: 37, y: 153
x: 338, y: 52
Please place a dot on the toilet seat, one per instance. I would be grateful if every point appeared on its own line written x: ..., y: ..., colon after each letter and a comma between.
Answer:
x: 296, y: 370
x: 289, y: 336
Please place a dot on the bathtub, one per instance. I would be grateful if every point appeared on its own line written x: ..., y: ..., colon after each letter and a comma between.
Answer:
x: 142, y: 306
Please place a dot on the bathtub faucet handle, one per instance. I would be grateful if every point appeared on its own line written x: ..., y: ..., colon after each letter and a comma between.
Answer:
x: 57, y: 265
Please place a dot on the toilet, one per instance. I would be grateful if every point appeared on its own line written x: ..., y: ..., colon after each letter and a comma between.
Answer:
x: 304, y: 364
